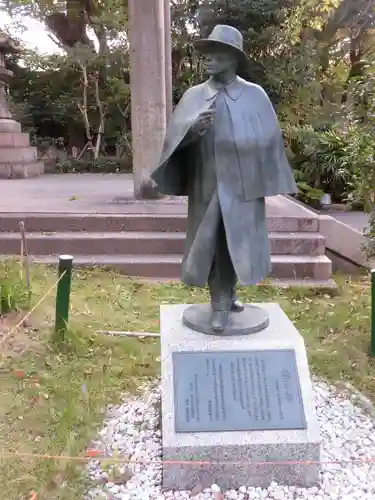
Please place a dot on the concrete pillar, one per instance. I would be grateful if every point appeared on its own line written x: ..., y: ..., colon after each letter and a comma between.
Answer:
x: 168, y: 58
x: 148, y: 90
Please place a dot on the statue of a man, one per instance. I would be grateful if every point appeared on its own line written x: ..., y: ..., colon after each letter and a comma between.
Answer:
x: 224, y: 149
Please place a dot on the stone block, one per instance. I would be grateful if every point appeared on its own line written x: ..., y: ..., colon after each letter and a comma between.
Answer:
x: 27, y: 170
x: 234, y: 458
x: 343, y: 240
x: 9, y: 126
x: 14, y: 140
x: 298, y: 243
x: 18, y: 155
x: 21, y: 170
x: 301, y: 266
x: 5, y: 171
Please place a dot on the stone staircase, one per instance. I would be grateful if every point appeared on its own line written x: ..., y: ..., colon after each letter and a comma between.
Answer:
x: 150, y: 246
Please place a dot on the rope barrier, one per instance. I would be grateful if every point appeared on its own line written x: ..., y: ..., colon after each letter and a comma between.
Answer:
x: 97, y: 456
x: 27, y: 316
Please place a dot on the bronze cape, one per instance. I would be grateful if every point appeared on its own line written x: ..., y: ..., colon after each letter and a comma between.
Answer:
x: 250, y: 164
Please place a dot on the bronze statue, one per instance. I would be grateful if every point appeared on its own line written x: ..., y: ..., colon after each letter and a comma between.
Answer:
x: 224, y: 149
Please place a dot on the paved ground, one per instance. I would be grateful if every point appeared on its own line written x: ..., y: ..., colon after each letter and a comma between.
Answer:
x: 96, y: 193
x: 356, y: 220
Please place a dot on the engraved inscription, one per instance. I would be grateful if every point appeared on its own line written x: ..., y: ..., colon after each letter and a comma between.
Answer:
x: 218, y: 391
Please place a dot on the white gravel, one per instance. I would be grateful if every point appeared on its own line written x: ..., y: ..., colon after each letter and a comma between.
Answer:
x: 132, y: 431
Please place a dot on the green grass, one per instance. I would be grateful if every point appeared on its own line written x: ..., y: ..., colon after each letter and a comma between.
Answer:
x: 51, y: 400
x: 13, y: 292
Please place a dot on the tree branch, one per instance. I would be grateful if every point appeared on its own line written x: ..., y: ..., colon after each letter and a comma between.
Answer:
x: 83, y: 107
x: 102, y: 114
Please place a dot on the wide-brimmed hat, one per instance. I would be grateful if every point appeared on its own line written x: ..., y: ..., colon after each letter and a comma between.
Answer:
x: 226, y: 37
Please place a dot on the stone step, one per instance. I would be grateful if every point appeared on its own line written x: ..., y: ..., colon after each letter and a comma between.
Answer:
x: 9, y: 140
x: 19, y: 171
x: 123, y: 243
x: 55, y: 222
x: 18, y: 155
x: 295, y: 267
x: 328, y: 285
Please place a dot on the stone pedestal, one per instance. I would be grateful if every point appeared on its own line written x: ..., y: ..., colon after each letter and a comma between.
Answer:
x: 17, y: 158
x: 245, y: 412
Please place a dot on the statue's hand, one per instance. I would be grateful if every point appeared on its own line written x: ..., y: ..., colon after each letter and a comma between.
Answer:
x: 204, y: 121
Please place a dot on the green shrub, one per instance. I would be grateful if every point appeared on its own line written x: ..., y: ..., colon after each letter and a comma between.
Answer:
x: 322, y: 159
x: 14, y: 295
x: 337, y: 161
x: 308, y: 194
x: 102, y: 165
x: 369, y: 245
x: 362, y: 185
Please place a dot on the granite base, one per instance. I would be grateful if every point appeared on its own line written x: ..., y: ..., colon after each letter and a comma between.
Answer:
x: 232, y: 459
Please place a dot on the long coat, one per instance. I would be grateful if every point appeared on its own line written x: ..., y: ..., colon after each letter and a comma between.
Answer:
x: 250, y: 165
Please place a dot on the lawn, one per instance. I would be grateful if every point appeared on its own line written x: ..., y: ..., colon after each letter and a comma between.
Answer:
x: 52, y: 399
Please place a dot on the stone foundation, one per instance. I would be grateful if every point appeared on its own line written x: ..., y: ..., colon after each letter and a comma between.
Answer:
x: 288, y: 455
x: 18, y: 160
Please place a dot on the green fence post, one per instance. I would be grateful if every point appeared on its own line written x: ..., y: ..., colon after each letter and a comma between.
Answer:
x: 63, y: 295
x: 373, y: 313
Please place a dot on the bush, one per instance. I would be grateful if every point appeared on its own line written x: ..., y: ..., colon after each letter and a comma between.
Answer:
x: 14, y: 295
x: 322, y: 159
x: 306, y: 193
x: 337, y: 161
x: 369, y: 245
x: 102, y: 165
x: 362, y: 185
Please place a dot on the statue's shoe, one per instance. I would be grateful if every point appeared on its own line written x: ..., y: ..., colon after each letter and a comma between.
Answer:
x: 237, y: 305
x: 219, y: 320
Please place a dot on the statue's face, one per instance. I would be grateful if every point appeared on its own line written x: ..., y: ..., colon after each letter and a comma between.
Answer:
x: 219, y: 61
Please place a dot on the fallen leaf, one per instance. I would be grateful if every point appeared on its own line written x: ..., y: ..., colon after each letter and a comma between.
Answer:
x: 196, y: 490
x: 93, y: 453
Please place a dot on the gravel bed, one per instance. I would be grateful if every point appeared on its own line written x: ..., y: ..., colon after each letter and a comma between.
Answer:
x: 131, y: 430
